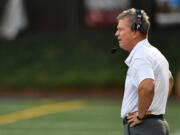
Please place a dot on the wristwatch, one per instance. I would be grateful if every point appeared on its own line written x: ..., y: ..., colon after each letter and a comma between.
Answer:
x: 140, y: 118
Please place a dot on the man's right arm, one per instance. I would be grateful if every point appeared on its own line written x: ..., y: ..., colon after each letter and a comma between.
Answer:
x: 171, y: 80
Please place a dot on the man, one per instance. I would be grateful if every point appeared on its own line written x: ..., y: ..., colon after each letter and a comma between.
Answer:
x: 148, y: 81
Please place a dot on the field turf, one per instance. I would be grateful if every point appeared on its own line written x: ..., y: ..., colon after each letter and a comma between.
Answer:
x: 69, y: 117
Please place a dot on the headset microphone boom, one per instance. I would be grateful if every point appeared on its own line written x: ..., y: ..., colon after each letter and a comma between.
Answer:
x: 113, y: 50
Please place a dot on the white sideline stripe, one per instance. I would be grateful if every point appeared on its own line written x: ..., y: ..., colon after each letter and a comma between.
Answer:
x: 40, y: 111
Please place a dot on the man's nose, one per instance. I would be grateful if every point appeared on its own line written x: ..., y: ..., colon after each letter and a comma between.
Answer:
x: 116, y: 34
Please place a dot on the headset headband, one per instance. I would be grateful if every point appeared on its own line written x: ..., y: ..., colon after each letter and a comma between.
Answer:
x: 139, y: 19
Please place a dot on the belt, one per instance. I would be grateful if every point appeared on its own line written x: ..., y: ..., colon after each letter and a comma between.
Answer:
x: 150, y: 116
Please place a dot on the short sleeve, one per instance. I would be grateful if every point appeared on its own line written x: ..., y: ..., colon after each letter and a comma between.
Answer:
x: 142, y: 70
x: 170, y: 74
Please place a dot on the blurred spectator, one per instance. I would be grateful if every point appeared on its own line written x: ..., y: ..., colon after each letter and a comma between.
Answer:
x: 13, y: 19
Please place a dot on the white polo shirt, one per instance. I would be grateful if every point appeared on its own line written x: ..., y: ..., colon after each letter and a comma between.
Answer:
x: 146, y: 61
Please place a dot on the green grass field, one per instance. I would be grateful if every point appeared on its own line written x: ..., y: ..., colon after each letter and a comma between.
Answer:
x: 69, y: 117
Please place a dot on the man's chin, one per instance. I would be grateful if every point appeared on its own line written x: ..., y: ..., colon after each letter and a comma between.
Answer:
x: 120, y: 45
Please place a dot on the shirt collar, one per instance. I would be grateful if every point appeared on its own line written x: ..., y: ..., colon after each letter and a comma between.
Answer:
x: 137, y: 46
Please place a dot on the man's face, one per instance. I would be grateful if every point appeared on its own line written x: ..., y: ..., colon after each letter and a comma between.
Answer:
x: 124, y: 34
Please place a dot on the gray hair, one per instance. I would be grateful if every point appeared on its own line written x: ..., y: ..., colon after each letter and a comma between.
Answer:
x: 131, y: 14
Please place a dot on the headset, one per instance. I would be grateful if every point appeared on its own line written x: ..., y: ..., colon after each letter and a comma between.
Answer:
x: 138, y: 24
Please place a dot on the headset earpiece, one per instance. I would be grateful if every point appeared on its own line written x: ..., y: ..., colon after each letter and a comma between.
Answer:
x: 138, y: 24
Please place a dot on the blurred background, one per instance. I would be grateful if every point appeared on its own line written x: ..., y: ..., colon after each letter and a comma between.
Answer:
x: 60, y: 50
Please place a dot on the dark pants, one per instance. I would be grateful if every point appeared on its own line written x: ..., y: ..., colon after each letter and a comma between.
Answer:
x: 148, y: 127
